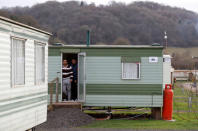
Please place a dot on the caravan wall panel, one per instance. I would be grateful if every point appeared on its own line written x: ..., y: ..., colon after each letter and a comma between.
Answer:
x: 24, y: 106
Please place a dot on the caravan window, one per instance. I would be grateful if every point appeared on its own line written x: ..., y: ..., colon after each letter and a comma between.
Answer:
x: 18, y: 61
x: 130, y: 70
x: 39, y: 63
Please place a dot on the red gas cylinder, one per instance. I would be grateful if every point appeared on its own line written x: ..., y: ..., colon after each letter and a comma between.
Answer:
x: 167, y: 103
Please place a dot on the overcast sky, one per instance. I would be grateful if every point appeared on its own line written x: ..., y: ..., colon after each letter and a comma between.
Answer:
x: 187, y: 4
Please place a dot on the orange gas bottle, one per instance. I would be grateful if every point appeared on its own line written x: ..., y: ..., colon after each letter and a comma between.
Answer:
x: 167, y: 103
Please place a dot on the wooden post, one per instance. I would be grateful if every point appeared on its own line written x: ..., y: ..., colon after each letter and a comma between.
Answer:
x: 156, y: 113
x: 51, y: 85
x: 189, y: 104
x: 81, y: 107
x: 51, y: 96
x: 57, y: 83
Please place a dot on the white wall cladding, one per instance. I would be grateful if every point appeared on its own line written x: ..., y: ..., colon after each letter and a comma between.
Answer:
x: 166, y: 73
x: 29, y: 62
x: 24, y: 119
x: 4, y: 61
x: 108, y: 70
x: 25, y: 106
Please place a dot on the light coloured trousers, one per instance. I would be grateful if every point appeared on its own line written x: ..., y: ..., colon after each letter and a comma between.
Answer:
x: 67, y: 88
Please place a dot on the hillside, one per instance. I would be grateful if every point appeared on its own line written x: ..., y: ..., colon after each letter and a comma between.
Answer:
x: 182, y: 58
x: 117, y: 23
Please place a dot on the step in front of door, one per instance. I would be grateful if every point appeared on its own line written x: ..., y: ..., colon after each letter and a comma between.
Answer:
x: 67, y: 105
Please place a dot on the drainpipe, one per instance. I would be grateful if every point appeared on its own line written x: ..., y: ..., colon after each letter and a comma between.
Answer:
x: 88, y: 38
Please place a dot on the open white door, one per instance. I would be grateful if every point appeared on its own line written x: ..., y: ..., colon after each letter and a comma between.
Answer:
x: 81, y: 77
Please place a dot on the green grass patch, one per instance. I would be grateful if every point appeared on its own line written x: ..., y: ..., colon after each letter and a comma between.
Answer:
x: 145, y: 124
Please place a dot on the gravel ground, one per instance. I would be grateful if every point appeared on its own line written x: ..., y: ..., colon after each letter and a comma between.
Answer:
x: 64, y: 118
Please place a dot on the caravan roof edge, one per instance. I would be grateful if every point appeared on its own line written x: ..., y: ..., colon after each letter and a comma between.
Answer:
x: 106, y: 46
x: 24, y: 25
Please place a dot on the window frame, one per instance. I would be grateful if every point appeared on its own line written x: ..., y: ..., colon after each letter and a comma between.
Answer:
x: 131, y: 78
x: 12, y: 67
x: 35, y: 80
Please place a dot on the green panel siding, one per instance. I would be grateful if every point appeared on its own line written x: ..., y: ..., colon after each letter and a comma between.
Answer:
x: 70, y: 50
x: 108, y: 70
x: 118, y: 89
x: 125, y: 100
x: 130, y: 59
x: 58, y: 51
x: 123, y: 52
x: 54, y: 66
x: 134, y: 52
x: 54, y: 52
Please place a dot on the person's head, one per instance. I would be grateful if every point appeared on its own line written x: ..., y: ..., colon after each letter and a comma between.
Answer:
x: 65, y: 62
x: 73, y: 61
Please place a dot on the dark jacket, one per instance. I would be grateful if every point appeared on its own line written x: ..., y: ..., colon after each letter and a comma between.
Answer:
x: 75, y: 71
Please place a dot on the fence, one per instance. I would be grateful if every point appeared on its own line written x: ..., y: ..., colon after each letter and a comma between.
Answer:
x: 185, y: 103
x: 184, y: 74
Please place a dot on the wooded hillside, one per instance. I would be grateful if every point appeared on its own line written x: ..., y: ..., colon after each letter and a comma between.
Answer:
x: 135, y: 23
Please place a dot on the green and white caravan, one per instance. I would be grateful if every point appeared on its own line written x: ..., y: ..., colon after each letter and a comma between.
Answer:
x: 23, y: 76
x: 111, y: 75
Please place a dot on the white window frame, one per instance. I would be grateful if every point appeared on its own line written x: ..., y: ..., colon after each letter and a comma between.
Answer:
x: 131, y: 78
x: 13, y: 85
x: 41, y: 44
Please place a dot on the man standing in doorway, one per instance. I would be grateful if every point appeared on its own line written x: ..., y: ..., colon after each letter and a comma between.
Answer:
x: 74, y: 82
x: 67, y: 75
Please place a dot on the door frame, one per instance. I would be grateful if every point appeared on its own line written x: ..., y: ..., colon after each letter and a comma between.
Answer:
x: 84, y: 84
x: 61, y: 76
x: 76, y: 53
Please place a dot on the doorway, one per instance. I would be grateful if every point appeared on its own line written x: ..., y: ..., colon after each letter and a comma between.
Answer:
x: 78, y: 90
x: 72, y: 60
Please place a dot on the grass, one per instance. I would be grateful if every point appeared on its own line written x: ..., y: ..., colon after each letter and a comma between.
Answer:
x: 184, y: 120
x: 145, y: 124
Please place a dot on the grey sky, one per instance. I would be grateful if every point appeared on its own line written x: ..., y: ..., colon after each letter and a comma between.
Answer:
x: 187, y: 4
